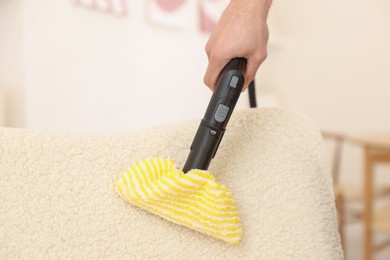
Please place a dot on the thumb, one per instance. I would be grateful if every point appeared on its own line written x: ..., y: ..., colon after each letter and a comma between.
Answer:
x: 213, y: 69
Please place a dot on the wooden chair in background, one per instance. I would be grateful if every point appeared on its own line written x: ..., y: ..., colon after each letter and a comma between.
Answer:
x: 350, y: 197
x: 376, y: 150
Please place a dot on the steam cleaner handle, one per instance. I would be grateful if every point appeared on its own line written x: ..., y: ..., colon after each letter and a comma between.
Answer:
x: 212, y: 127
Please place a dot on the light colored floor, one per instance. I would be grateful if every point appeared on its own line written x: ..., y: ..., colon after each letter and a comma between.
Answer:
x: 354, y: 244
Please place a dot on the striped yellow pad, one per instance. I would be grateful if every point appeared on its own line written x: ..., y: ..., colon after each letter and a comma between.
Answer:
x: 195, y: 200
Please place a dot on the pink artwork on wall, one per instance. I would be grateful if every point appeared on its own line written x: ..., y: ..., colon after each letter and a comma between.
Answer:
x: 207, y: 24
x: 118, y: 7
x: 171, y: 14
x: 169, y: 5
x: 209, y: 12
x: 183, y: 15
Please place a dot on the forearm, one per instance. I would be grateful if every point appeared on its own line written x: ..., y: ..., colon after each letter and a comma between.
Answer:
x: 259, y: 8
x: 242, y: 31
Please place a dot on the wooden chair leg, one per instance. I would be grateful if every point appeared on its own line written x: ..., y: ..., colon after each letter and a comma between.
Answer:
x: 368, y: 190
x: 340, y: 217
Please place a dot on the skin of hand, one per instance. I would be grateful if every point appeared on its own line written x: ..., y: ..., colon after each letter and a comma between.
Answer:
x: 242, y: 31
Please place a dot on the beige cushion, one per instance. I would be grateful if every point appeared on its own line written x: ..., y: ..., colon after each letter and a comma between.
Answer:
x: 58, y: 200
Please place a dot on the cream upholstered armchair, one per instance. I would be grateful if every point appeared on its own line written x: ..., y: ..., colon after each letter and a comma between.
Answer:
x: 58, y: 200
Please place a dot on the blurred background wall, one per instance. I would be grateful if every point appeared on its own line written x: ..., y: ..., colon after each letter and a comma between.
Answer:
x: 88, y: 71
x: 63, y: 67
x: 11, y: 64
x: 99, y: 72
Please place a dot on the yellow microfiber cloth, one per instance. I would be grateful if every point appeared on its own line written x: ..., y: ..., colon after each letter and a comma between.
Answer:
x: 195, y: 199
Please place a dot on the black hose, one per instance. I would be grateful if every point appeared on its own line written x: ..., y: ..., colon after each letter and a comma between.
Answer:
x: 252, y: 95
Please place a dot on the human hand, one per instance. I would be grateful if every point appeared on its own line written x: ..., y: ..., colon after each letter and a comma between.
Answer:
x: 242, y: 31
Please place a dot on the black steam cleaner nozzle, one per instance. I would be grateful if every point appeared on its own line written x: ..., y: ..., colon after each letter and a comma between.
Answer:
x: 212, y: 127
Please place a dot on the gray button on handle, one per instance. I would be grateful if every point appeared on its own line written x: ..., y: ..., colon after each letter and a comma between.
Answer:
x: 233, y: 82
x: 221, y: 113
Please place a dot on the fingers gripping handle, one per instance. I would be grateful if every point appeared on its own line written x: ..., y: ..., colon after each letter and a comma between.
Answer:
x: 212, y: 127
x: 238, y: 64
